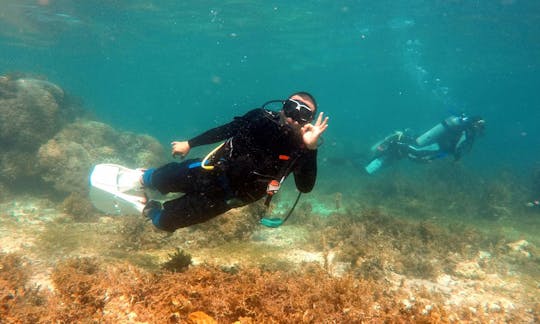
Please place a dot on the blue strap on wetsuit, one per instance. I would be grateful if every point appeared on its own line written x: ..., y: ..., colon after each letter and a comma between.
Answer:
x: 155, y: 214
x: 152, y: 212
x: 147, y: 177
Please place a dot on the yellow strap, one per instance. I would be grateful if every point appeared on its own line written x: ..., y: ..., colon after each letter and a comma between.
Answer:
x: 203, y: 162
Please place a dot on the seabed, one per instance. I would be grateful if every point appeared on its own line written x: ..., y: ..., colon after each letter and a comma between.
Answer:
x: 331, y: 267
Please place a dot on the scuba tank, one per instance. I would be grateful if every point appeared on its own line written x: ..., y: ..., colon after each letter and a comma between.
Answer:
x: 433, y: 134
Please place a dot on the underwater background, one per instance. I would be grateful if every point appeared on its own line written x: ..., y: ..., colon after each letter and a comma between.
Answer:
x: 172, y: 69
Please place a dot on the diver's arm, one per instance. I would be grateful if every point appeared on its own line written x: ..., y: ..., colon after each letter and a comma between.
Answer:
x: 217, y: 134
x: 182, y: 148
x: 223, y: 132
x: 305, y: 173
x: 464, y: 145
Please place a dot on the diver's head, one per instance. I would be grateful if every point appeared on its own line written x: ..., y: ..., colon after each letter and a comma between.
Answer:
x: 478, y: 124
x: 299, y: 109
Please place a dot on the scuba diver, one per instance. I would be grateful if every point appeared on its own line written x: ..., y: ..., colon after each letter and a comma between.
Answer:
x: 260, y: 149
x: 534, y: 203
x: 453, y: 136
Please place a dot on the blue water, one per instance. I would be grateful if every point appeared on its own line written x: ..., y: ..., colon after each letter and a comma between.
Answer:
x: 172, y: 69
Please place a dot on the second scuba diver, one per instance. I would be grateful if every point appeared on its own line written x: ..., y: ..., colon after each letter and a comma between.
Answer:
x: 453, y: 136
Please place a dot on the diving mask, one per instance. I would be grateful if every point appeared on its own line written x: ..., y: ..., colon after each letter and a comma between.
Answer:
x: 297, y: 111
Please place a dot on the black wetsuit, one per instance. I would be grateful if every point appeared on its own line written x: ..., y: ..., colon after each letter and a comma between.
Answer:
x: 457, y: 139
x: 257, y: 150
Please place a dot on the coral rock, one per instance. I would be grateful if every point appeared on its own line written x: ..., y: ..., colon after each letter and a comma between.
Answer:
x: 31, y: 112
x: 66, y: 160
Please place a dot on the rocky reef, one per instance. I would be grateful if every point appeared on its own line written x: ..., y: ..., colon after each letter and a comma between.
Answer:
x: 65, y: 160
x: 47, y: 139
x: 31, y: 112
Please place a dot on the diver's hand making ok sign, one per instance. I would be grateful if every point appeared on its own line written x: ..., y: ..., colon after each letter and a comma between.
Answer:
x: 312, y: 132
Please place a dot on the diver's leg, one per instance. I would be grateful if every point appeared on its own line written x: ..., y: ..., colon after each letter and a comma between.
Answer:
x: 375, y: 164
x: 392, y: 151
x: 173, y: 177
x: 424, y: 153
x: 192, y: 208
